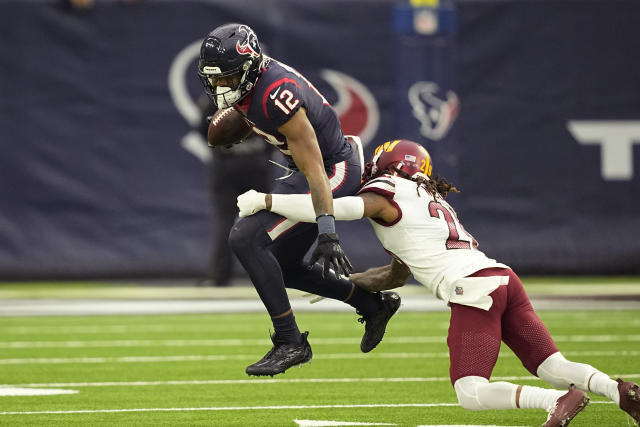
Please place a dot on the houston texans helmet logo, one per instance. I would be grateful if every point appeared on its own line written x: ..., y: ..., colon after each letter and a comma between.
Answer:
x: 436, y: 115
x: 249, y: 45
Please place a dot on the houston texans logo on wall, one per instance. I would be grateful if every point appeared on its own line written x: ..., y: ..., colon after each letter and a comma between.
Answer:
x: 249, y: 45
x: 436, y: 115
x: 356, y: 106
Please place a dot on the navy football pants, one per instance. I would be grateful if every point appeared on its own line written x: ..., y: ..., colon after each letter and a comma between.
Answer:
x: 271, y: 248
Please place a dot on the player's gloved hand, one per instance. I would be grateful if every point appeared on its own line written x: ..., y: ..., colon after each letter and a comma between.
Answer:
x: 251, y: 202
x: 330, y: 254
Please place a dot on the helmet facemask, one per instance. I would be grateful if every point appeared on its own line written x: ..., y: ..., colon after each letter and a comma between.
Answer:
x: 225, y: 89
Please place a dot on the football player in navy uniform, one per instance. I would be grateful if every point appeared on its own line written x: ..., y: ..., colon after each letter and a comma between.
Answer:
x: 287, y: 111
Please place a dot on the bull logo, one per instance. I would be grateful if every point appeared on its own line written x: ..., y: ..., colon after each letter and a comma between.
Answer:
x: 250, y: 44
x: 436, y: 115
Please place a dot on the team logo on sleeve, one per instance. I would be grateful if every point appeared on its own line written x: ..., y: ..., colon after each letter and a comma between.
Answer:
x: 249, y: 45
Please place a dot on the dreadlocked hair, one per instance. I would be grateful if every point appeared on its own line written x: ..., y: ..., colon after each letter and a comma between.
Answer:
x: 440, y: 185
x: 435, y: 185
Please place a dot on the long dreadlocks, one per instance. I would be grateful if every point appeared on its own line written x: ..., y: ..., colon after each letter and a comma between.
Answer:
x: 434, y: 185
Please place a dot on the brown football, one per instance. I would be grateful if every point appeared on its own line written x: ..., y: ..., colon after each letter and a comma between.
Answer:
x: 227, y: 127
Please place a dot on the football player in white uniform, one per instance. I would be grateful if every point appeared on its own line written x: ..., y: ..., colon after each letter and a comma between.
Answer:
x: 414, y: 223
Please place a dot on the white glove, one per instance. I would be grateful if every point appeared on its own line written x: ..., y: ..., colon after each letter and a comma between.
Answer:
x: 251, y: 202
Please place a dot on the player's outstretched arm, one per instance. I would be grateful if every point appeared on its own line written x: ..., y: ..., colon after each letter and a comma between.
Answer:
x: 299, y: 207
x: 378, y: 279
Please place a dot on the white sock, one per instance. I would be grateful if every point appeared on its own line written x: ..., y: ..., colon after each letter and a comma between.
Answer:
x: 560, y: 372
x: 497, y: 395
x: 540, y: 398
x: 602, y: 385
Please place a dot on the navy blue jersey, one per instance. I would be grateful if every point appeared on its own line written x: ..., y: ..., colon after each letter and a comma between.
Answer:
x: 279, y: 93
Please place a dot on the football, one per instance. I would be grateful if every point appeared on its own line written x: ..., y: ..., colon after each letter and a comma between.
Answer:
x: 227, y: 127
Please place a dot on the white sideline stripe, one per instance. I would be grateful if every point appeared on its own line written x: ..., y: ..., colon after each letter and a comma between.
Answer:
x: 204, y: 342
x: 235, y: 408
x: 257, y: 342
x: 329, y: 423
x: 22, y: 391
x: 222, y: 357
x: 119, y: 328
x: 416, y: 303
x: 241, y: 408
x: 275, y: 381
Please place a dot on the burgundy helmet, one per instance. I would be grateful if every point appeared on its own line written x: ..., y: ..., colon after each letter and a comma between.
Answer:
x: 401, y: 155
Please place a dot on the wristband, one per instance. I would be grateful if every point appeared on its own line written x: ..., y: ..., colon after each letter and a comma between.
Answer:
x: 326, y: 223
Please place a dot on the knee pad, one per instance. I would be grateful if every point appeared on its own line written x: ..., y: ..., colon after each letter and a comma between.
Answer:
x: 467, y: 392
x: 477, y: 393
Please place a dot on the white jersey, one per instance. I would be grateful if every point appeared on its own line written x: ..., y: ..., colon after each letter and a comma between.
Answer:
x: 429, y: 239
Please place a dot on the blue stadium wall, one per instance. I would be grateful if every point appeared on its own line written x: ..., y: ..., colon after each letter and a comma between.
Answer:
x: 531, y: 107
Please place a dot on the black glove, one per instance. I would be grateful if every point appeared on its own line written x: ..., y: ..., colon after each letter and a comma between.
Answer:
x: 330, y: 253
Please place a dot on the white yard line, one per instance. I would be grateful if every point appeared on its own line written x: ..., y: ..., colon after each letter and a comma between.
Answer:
x: 71, y: 307
x: 270, y: 381
x: 223, y: 357
x: 194, y: 358
x: 440, y: 339
x: 238, y: 408
x: 584, y: 323
x: 331, y: 423
x: 207, y: 342
x: 235, y: 408
x: 28, y: 391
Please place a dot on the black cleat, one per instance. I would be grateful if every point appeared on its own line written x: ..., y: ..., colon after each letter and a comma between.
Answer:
x: 376, y: 323
x: 281, y: 357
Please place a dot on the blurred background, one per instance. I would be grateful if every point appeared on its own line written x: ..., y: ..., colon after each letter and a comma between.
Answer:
x: 532, y: 108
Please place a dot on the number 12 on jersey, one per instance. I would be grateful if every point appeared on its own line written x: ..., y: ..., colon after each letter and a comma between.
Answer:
x: 458, y: 236
x: 288, y: 98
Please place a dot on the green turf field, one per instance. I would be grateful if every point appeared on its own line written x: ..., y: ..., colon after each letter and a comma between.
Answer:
x: 170, y: 370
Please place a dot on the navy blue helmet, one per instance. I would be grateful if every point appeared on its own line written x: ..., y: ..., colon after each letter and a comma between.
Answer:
x: 230, y: 62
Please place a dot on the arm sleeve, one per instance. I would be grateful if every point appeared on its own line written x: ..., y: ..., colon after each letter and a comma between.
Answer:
x: 299, y: 207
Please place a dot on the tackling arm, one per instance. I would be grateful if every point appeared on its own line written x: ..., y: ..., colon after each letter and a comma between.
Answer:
x: 299, y: 207
x: 383, y: 278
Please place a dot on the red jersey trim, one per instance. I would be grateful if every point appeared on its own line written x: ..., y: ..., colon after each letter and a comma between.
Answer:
x: 243, y: 105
